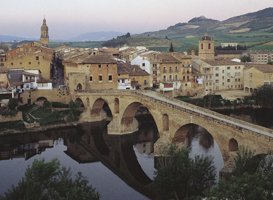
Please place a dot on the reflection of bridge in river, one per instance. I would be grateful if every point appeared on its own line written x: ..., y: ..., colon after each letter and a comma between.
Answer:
x: 174, y: 119
x: 87, y: 143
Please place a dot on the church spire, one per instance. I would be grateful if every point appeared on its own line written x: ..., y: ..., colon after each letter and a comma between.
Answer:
x: 44, y: 39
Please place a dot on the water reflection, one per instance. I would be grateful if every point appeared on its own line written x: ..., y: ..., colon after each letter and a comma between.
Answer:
x: 118, y: 166
x: 109, y: 162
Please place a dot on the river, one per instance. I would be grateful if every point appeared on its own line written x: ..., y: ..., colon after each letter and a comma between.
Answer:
x: 119, y: 167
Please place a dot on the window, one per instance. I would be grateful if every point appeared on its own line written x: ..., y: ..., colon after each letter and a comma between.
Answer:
x: 164, y: 78
x: 100, y: 77
x: 171, y: 70
x: 216, y: 74
x: 228, y: 80
x: 176, y: 77
x: 11, y: 63
x: 209, y: 47
x: 37, y: 57
x: 176, y: 69
x: 29, y: 63
x: 164, y: 69
x: 223, y: 71
x: 143, y: 64
x: 216, y: 68
x: 90, y: 78
x: 99, y: 66
x: 110, y: 78
x: 170, y: 77
x: 145, y: 82
x: 216, y: 81
x: 228, y: 68
x: 202, y: 46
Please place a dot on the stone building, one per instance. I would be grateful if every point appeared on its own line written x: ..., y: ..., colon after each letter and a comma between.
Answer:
x: 90, y: 72
x: 261, y: 57
x: 133, y: 77
x: 226, y: 75
x: 44, y: 39
x: 167, y: 71
x: 31, y: 56
x: 257, y: 75
x: 206, y: 48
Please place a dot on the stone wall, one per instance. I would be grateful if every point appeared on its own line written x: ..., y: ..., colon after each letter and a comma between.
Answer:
x: 16, y: 117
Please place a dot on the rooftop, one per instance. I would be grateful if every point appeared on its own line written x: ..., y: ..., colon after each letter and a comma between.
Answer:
x: 261, y: 67
x: 99, y: 59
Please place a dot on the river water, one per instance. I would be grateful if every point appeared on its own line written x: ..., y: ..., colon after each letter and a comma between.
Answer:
x: 119, y: 167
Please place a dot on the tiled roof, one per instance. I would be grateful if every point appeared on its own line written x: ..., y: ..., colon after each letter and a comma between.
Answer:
x: 132, y: 70
x: 222, y: 62
x: 263, y: 68
x: 162, y: 58
x: 99, y: 59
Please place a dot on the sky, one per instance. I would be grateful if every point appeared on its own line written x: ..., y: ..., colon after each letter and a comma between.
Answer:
x: 70, y: 18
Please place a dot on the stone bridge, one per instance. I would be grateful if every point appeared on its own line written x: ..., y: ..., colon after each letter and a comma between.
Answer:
x: 174, y: 119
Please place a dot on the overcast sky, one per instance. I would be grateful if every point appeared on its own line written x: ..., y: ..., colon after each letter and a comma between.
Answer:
x: 68, y: 18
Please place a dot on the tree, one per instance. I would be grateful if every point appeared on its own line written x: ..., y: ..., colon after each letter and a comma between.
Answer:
x: 181, y: 177
x: 245, y: 59
x: 251, y: 179
x: 171, y: 48
x: 13, y: 103
x: 51, y: 181
x: 263, y: 96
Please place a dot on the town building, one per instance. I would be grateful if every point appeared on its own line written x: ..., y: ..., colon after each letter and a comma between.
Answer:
x: 44, y: 39
x: 133, y: 77
x: 31, y: 56
x: 86, y: 71
x: 257, y: 75
x: 261, y: 57
x: 206, y: 48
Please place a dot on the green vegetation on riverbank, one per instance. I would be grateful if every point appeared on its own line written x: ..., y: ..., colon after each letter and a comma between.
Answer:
x: 181, y: 177
x: 49, y: 180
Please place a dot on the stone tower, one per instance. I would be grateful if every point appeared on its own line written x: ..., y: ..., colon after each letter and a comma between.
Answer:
x: 206, y: 48
x: 44, y: 34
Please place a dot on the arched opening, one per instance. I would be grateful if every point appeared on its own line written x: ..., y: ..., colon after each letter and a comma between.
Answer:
x: 138, y: 115
x: 40, y: 101
x: 87, y: 102
x: 233, y: 145
x: 79, y: 87
x: 199, y: 142
x: 79, y: 102
x: 165, y: 122
x: 116, y: 105
x: 101, y: 108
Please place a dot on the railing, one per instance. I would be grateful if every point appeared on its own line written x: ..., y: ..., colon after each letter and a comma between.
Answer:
x: 189, y: 108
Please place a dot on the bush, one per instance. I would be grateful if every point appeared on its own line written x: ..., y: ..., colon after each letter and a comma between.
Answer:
x: 51, y: 181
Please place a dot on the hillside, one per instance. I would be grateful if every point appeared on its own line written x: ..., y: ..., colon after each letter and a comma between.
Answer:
x: 252, y: 29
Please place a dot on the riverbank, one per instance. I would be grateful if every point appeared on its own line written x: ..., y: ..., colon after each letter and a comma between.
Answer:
x: 39, y: 129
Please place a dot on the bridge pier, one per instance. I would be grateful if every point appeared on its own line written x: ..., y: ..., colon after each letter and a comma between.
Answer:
x: 87, y: 117
x: 115, y: 127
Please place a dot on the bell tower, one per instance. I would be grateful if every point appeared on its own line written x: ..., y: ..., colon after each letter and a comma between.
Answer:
x: 44, y: 39
x: 206, y: 48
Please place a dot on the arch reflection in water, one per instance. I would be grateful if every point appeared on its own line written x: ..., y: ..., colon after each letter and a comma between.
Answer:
x: 200, y: 142
x: 87, y: 144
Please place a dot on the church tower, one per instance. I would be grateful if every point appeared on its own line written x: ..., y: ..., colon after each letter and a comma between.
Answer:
x: 44, y: 34
x: 206, y: 48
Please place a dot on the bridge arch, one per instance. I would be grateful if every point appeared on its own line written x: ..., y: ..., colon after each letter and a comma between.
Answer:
x: 101, y: 107
x: 116, y: 105
x: 233, y: 145
x: 165, y: 122
x: 79, y: 101
x: 131, y: 113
